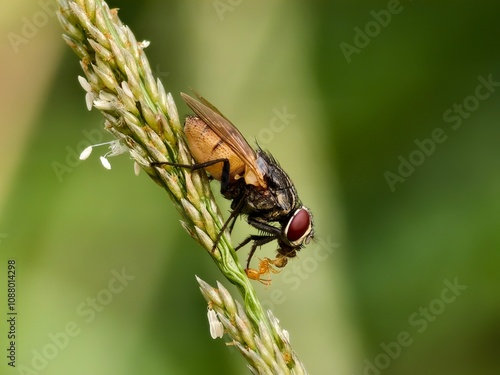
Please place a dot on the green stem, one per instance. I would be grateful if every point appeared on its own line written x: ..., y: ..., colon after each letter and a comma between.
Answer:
x: 144, y: 118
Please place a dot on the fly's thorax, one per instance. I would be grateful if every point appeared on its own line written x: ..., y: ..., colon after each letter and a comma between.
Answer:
x: 205, y: 145
x: 279, y: 183
x: 278, y: 200
x: 263, y: 204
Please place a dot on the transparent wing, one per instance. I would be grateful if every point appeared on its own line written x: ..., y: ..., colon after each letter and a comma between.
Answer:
x: 230, y: 135
x: 205, y: 102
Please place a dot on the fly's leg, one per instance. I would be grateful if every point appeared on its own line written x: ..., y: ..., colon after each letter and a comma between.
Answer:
x: 258, y: 240
x: 232, y: 217
x: 226, y: 167
x: 224, y: 186
x: 264, y: 265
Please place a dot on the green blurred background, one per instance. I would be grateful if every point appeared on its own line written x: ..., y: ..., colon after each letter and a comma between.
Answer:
x: 377, y: 298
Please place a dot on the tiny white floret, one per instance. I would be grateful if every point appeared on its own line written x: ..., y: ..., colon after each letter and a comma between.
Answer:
x: 89, y: 100
x: 216, y: 327
x: 115, y: 148
x: 89, y: 96
x: 137, y: 168
x: 126, y: 89
x: 85, y: 153
x: 105, y: 163
x: 85, y: 84
x: 144, y: 44
x: 103, y: 105
x: 286, y: 334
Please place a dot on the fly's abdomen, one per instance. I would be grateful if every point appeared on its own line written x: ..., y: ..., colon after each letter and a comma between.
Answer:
x: 205, y: 145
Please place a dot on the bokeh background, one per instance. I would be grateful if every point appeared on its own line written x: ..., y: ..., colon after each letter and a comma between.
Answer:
x: 404, y: 276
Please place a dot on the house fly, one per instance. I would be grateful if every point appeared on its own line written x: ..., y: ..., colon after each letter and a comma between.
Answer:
x: 255, y: 183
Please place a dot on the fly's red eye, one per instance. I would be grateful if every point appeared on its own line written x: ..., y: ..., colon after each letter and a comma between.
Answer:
x: 299, y: 225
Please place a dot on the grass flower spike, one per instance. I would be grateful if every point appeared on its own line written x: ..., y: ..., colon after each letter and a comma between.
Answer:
x: 143, y: 117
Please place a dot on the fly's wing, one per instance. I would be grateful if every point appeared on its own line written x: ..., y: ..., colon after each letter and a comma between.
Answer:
x: 229, y: 135
x: 205, y: 102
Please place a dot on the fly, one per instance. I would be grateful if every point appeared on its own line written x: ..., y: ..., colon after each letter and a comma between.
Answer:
x: 255, y: 183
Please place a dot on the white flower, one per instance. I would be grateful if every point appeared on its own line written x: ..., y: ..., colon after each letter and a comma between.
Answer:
x: 85, y: 84
x: 216, y: 327
x: 144, y: 44
x: 286, y: 334
x: 128, y: 92
x: 115, y: 148
x: 137, y: 168
x: 86, y: 153
x: 89, y: 100
x: 105, y: 163
x: 103, y: 105
x: 89, y: 96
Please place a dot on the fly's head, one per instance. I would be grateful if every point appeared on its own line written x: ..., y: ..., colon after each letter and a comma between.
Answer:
x: 296, y: 233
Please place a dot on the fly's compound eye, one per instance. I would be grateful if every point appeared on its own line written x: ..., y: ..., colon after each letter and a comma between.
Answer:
x: 299, y: 227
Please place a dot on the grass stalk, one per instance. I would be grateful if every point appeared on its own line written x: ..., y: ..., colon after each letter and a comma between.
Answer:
x: 144, y: 119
